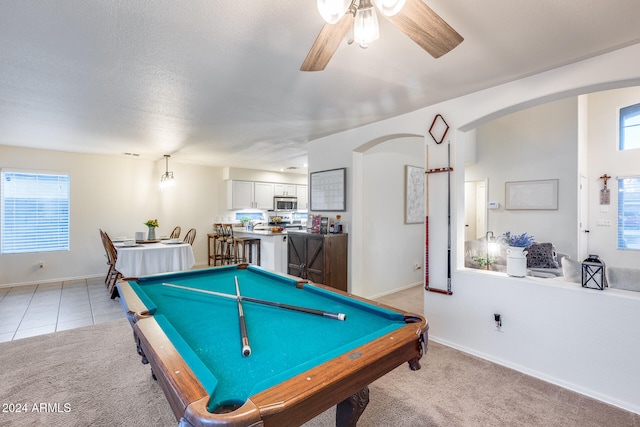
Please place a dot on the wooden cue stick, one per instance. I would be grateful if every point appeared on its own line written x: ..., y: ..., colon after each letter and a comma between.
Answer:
x: 246, y: 348
x: 336, y: 316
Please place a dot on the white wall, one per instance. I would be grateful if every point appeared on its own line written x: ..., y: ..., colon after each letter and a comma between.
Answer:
x: 388, y: 240
x: 451, y: 317
x: 117, y: 194
x: 582, y: 339
x: 532, y: 144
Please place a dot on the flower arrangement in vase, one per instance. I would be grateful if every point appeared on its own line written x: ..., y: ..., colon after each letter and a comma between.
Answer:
x: 516, y: 254
x: 152, y: 224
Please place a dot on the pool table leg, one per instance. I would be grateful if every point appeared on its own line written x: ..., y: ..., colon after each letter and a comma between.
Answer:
x: 349, y: 410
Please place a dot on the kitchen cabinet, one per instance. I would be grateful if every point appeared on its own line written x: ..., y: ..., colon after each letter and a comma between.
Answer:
x: 263, y: 195
x: 302, y: 192
x: 320, y: 258
x: 249, y: 195
x: 285, y: 190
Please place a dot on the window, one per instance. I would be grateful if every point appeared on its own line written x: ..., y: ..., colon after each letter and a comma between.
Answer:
x: 630, y: 127
x: 34, y: 212
x: 629, y: 213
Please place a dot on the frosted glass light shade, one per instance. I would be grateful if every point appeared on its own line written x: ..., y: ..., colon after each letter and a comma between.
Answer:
x: 333, y: 10
x: 365, y: 26
x: 389, y: 7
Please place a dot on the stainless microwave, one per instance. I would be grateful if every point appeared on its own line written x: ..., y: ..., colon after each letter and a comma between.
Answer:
x: 285, y: 203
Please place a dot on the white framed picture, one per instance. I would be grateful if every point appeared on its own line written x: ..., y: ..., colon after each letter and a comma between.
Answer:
x: 328, y: 190
x: 537, y: 194
x: 415, y: 195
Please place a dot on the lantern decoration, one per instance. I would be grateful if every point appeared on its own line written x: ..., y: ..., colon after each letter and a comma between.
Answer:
x: 593, y: 273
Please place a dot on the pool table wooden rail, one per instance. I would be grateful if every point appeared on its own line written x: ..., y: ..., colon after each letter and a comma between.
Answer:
x: 292, y: 402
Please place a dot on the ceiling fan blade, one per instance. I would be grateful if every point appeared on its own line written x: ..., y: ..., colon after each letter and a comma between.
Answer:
x: 426, y: 28
x: 327, y: 43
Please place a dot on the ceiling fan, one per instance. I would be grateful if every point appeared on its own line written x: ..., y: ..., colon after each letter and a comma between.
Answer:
x: 412, y: 17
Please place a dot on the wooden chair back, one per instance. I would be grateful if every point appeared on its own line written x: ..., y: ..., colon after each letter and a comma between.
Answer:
x: 175, y: 233
x: 190, y: 236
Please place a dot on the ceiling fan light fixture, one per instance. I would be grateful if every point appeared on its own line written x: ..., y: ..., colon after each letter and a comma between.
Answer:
x: 389, y: 7
x: 333, y: 10
x: 365, y: 26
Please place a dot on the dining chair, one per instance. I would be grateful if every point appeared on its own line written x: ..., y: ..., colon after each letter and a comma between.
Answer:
x: 112, y: 256
x: 103, y: 237
x: 175, y: 233
x: 190, y: 236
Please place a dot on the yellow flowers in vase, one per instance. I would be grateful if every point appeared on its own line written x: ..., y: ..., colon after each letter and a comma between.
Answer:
x: 151, y: 223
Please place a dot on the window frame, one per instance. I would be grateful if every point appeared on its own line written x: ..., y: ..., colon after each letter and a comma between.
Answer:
x: 625, y: 113
x: 49, y: 196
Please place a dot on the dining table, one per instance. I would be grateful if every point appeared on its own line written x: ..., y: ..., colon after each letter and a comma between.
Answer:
x: 153, y: 257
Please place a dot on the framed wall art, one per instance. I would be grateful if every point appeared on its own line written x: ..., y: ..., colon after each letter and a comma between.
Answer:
x: 327, y: 190
x: 414, y: 195
x: 539, y: 194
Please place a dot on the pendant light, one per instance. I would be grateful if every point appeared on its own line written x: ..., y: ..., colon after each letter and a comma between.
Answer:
x: 167, y: 180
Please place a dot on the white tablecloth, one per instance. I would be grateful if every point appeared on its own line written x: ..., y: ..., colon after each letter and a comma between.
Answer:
x: 152, y: 258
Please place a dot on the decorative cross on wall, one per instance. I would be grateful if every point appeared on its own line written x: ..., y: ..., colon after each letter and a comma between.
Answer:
x: 605, y: 196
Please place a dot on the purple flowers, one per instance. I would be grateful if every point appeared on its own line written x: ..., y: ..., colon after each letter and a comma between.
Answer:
x: 518, y: 240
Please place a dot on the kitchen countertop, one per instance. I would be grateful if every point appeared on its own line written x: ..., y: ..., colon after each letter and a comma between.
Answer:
x: 259, y: 232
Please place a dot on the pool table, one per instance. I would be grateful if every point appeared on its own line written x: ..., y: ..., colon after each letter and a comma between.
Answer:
x: 300, y: 364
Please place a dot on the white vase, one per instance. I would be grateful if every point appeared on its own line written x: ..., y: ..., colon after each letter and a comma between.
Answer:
x: 516, y: 261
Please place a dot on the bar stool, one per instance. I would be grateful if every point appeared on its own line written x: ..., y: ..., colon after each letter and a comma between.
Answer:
x: 212, y: 239
x: 246, y: 244
x: 227, y: 243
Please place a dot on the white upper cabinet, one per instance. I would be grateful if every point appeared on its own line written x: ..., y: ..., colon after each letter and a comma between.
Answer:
x: 249, y: 195
x: 263, y: 195
x: 285, y: 190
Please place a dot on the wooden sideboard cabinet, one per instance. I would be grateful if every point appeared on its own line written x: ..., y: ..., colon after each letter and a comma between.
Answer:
x: 320, y: 258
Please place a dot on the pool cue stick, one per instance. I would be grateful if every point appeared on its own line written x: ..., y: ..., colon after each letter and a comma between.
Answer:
x: 336, y: 316
x: 246, y: 348
x: 448, y: 217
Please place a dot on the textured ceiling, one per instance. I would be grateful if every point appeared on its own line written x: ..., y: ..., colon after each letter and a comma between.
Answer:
x: 218, y: 82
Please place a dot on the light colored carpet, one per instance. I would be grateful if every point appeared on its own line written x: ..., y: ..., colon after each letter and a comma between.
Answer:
x: 97, y: 373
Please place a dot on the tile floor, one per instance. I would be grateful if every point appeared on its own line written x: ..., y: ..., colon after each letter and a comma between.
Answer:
x: 27, y: 311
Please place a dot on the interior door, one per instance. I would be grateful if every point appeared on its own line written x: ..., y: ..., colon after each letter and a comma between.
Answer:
x: 475, y: 210
x: 583, y: 221
x: 469, y: 211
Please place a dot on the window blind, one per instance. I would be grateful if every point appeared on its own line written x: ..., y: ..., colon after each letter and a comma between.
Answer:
x: 34, y: 212
x: 629, y: 213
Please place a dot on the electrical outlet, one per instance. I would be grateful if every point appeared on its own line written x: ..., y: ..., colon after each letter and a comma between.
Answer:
x: 498, y: 320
